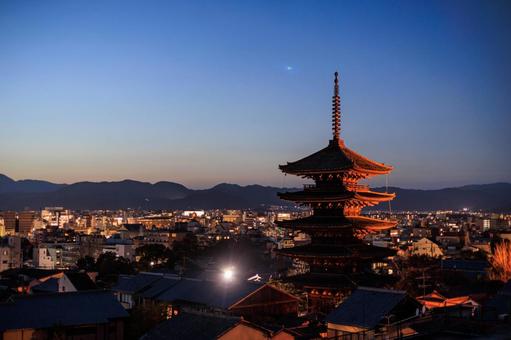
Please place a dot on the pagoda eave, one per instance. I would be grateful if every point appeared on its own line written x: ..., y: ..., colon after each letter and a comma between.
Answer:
x: 363, y: 198
x: 316, y: 223
x: 345, y: 252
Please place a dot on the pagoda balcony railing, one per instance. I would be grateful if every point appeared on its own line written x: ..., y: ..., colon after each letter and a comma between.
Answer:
x: 351, y: 187
x: 358, y: 187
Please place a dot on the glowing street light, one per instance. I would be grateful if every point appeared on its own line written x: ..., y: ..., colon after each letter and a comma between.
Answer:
x: 228, y: 274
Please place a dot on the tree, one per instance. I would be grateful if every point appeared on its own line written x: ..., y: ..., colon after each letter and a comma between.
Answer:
x: 155, y: 255
x: 186, y: 248
x: 87, y: 263
x: 500, y: 262
x: 111, y: 266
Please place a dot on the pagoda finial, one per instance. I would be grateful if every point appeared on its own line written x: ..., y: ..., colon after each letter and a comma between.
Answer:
x: 336, y: 109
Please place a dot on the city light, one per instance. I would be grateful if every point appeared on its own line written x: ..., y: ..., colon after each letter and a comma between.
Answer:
x: 228, y: 274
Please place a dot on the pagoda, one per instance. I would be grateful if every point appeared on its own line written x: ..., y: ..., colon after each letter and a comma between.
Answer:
x: 337, y: 256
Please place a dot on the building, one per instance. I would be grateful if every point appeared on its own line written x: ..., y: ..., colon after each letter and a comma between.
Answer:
x: 368, y: 313
x: 237, y: 297
x: 77, y: 315
x: 426, y: 247
x: 10, y: 222
x: 64, y: 282
x: 336, y: 227
x: 47, y: 257
x: 10, y: 253
x: 25, y: 222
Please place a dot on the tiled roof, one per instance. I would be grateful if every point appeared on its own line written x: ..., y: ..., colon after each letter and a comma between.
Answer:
x: 187, y: 326
x: 366, y: 307
x: 334, y: 158
x: 219, y: 294
x: 64, y: 309
x: 134, y: 283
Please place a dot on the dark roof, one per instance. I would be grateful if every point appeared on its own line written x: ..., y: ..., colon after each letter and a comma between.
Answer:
x: 219, y: 294
x: 48, y: 286
x: 336, y: 157
x: 158, y: 287
x: 187, y: 326
x: 366, y: 307
x: 81, y: 281
x: 134, y: 283
x: 63, y: 309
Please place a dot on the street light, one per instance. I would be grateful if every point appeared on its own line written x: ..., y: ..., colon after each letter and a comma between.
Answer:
x: 228, y: 274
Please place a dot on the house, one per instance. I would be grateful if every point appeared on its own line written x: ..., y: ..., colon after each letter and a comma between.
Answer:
x: 463, y: 305
x: 129, y: 285
x: 370, y: 312
x: 245, y: 330
x: 64, y: 282
x: 192, y: 326
x: 250, y: 300
x: 76, y: 315
x: 426, y: 247
x: 237, y: 297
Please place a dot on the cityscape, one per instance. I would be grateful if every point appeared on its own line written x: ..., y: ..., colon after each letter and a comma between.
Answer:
x: 330, y: 243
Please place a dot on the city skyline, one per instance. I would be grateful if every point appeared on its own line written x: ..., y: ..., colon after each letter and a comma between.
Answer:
x: 166, y: 93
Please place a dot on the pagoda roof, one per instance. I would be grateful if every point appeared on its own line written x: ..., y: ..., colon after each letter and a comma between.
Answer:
x: 306, y: 196
x: 337, y: 222
x: 335, y: 158
x: 359, y: 251
x: 338, y: 280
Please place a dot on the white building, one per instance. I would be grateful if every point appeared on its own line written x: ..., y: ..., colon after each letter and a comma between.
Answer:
x: 426, y: 247
x: 47, y: 257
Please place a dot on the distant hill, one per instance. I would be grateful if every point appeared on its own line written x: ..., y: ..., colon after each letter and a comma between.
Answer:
x: 492, y: 197
x: 32, y: 194
x: 8, y: 185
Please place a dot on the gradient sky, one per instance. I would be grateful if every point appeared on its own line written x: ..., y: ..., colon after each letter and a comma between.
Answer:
x: 213, y: 91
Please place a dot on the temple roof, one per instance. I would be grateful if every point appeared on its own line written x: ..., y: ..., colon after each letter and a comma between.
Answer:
x: 335, y: 158
x: 360, y: 251
x: 337, y: 222
x: 309, y: 196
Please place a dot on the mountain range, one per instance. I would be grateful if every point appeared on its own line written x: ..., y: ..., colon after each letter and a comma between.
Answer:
x: 35, y: 194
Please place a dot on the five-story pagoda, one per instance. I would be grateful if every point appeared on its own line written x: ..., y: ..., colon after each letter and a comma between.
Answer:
x: 337, y: 255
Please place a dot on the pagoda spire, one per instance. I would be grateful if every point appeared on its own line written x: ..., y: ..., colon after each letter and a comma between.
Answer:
x: 336, y: 109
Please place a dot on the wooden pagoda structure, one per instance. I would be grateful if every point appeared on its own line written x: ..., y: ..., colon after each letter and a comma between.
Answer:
x: 337, y: 256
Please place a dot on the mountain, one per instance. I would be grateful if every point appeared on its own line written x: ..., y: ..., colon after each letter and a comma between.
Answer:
x: 32, y: 194
x: 491, y: 197
x: 8, y: 185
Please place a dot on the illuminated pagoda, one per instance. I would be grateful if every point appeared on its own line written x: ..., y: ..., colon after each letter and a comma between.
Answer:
x: 336, y: 255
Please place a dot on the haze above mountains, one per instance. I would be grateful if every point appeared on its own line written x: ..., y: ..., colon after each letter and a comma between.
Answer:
x: 36, y: 194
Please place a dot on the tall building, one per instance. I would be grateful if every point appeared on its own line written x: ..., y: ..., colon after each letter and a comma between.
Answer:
x: 10, y: 222
x: 337, y: 257
x: 25, y: 222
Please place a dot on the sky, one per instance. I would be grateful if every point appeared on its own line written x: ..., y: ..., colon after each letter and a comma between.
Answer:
x: 204, y: 92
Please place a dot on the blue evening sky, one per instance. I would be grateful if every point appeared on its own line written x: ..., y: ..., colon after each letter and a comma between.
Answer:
x: 202, y: 92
